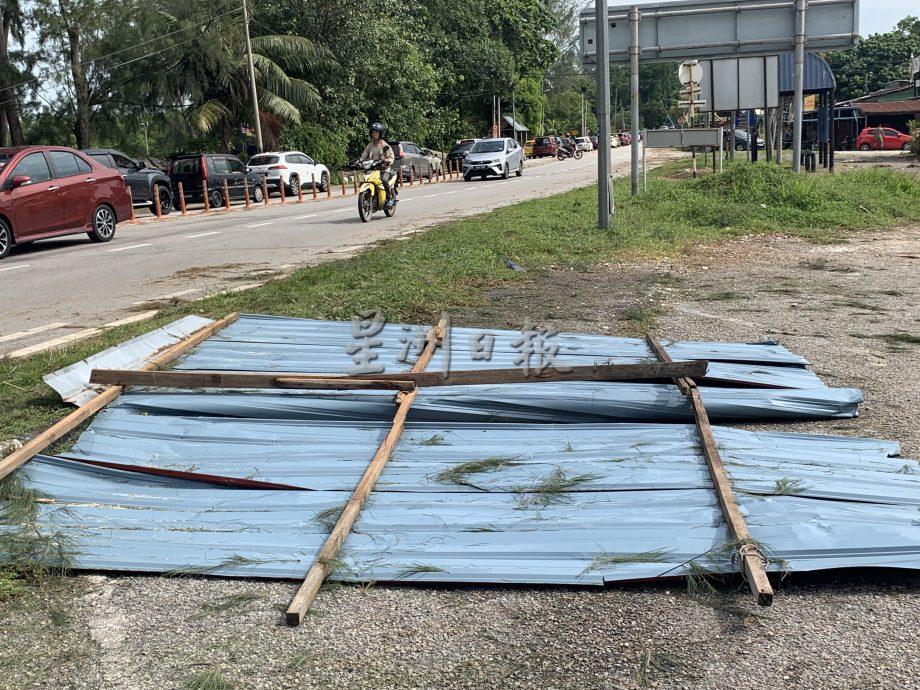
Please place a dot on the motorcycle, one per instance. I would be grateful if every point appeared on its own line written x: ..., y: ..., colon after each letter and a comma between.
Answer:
x: 562, y: 153
x: 372, y: 193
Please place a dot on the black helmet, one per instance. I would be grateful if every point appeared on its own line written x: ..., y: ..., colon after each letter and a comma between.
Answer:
x: 377, y: 127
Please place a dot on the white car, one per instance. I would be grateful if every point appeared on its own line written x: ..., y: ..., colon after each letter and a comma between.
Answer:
x: 494, y: 157
x: 583, y: 144
x: 293, y: 169
x: 614, y: 141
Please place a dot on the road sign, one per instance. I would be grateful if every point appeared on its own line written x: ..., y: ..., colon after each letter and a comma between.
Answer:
x: 690, y: 72
x: 723, y: 28
x: 740, y: 83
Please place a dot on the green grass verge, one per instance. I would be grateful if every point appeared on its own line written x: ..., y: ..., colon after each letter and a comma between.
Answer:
x: 453, y: 265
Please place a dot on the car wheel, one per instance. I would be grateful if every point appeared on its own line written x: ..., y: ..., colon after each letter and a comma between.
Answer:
x: 906, y: 146
x: 258, y: 195
x: 103, y: 224
x: 166, y: 200
x: 324, y: 182
x: 520, y: 170
x: 864, y: 147
x: 216, y: 198
x: 6, y: 238
x: 294, y: 185
x: 468, y: 177
x: 739, y: 147
x: 505, y: 172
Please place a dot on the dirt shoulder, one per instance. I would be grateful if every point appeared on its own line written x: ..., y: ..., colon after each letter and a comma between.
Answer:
x: 852, y: 308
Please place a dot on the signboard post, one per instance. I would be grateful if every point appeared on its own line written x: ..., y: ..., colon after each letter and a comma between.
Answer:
x: 605, y: 202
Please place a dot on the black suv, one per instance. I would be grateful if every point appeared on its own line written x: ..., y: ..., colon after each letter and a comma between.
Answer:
x: 139, y: 176
x: 190, y: 170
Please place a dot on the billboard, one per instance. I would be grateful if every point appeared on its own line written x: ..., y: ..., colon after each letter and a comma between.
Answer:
x: 675, y: 31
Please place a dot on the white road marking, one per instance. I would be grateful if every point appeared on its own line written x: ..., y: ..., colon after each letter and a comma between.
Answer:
x: 133, y: 246
x: 259, y: 225
x: 41, y: 347
x: 428, y: 196
x: 143, y: 316
x: 13, y: 268
x: 31, y: 331
x: 453, y: 192
x: 340, y: 210
x: 202, y: 234
x: 309, y: 215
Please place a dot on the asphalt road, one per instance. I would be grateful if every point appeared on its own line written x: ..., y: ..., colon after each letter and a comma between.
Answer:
x: 64, y: 289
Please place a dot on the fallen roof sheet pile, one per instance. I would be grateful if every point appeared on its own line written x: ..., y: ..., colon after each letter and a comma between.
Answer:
x: 482, y: 486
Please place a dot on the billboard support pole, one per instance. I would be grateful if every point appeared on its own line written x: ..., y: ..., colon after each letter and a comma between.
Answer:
x: 605, y: 203
x: 634, y: 16
x: 798, y: 106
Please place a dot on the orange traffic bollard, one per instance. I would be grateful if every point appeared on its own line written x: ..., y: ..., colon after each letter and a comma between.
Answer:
x: 343, y: 185
x: 265, y: 190
x: 131, y: 201
x: 157, y: 209
x: 204, y: 193
x: 226, y: 195
x: 281, y: 189
x: 411, y: 177
x: 354, y: 183
x: 300, y: 193
x: 246, y: 192
x: 182, y: 208
x: 328, y: 188
x: 313, y: 180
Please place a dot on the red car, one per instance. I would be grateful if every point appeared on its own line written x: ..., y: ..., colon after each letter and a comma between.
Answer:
x: 892, y: 139
x: 545, y: 146
x: 47, y: 191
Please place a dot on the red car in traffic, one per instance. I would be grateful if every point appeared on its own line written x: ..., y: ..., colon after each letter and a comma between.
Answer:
x: 48, y: 191
x: 890, y: 139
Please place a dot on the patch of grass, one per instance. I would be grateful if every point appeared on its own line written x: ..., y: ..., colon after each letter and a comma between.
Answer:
x: 234, y: 561
x: 419, y: 569
x: 11, y: 585
x: 460, y: 474
x: 551, y: 488
x: 457, y: 264
x: 328, y: 518
x: 724, y: 296
x: 229, y: 602
x: 654, y: 663
x: 608, y: 560
x: 300, y: 661
x: 642, y: 317
x: 788, y: 487
x: 59, y: 619
x: 700, y: 582
x: 436, y: 440
x: 209, y: 679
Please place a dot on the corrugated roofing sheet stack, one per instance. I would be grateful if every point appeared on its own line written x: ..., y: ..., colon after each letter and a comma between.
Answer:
x: 518, y: 500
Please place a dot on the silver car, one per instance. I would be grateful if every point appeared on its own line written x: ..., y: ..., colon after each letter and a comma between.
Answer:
x: 494, y: 157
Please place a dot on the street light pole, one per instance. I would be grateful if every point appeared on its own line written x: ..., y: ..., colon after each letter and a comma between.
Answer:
x: 252, y: 80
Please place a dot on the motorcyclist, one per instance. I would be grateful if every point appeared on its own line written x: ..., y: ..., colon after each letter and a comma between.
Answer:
x: 378, y: 149
x: 568, y: 144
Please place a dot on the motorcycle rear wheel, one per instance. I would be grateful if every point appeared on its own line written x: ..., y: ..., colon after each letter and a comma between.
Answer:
x: 578, y: 155
x: 365, y: 205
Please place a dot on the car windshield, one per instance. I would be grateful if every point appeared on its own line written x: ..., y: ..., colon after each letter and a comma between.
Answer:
x: 461, y: 148
x: 263, y: 160
x: 488, y: 146
x: 4, y: 159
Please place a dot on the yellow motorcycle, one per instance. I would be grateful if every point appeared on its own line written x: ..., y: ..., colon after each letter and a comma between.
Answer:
x: 372, y: 193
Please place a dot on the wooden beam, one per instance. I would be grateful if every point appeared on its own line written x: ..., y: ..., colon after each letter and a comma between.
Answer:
x: 63, y: 426
x: 400, y: 381
x: 751, y: 558
x: 320, y: 568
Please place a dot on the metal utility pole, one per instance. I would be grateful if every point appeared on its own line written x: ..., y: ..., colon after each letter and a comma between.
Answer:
x: 252, y: 80
x: 634, y: 16
x: 798, y: 106
x: 605, y: 202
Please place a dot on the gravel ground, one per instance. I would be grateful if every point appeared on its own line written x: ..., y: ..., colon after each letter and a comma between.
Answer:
x: 841, y: 305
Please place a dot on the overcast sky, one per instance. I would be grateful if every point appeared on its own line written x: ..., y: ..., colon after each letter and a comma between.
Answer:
x: 875, y: 16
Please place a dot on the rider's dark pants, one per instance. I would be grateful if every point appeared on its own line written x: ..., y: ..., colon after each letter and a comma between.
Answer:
x: 385, y: 178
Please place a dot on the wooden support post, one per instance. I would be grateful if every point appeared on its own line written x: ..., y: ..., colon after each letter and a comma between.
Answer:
x: 246, y: 192
x: 226, y: 195
x: 313, y: 181
x: 133, y: 220
x: 320, y: 568
x: 63, y: 426
x: 751, y: 559
x: 473, y: 377
x: 157, y: 209
x: 204, y: 192
x: 281, y: 189
x: 182, y: 208
x: 265, y: 191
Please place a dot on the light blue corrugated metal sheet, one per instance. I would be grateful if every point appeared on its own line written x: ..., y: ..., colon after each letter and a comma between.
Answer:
x: 120, y: 521
x: 817, y: 74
